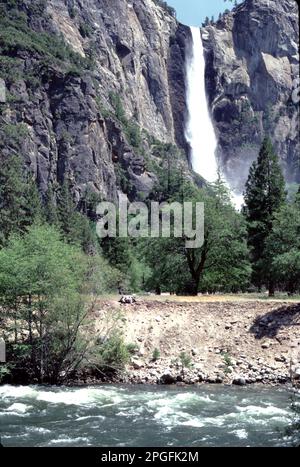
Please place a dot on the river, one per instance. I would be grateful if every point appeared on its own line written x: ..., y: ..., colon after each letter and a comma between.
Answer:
x: 143, y: 416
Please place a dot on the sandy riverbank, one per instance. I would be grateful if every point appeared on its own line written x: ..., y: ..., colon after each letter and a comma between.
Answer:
x: 228, y: 339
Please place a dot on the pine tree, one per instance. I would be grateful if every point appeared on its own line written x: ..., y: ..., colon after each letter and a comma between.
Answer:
x: 33, y: 211
x: 66, y: 211
x: 50, y: 208
x: 265, y: 194
x: 12, y: 200
x: 75, y: 226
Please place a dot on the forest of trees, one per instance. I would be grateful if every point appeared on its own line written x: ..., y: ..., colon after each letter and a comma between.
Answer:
x: 52, y: 265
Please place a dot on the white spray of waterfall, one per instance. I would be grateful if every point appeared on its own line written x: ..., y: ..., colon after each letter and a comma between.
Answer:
x: 200, y: 131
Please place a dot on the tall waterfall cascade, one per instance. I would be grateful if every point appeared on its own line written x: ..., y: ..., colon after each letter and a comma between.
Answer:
x: 200, y: 132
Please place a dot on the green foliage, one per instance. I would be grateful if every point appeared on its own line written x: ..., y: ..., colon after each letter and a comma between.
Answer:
x: 133, y: 134
x: 283, y: 247
x: 220, y: 264
x: 132, y: 348
x: 114, y: 352
x: 131, y: 129
x: 155, y: 355
x: 227, y: 362
x: 116, y: 102
x: 12, y: 200
x: 168, y: 9
x: 10, y: 69
x: 13, y: 133
x: 75, y: 226
x: 120, y: 254
x: 185, y: 361
x: 44, y: 285
x: 4, y: 373
x: 85, y: 30
x: 16, y: 37
x: 265, y: 194
x: 122, y: 180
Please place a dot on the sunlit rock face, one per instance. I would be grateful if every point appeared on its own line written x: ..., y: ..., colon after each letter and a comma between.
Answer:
x: 252, y: 79
x: 139, y: 54
x: 73, y: 129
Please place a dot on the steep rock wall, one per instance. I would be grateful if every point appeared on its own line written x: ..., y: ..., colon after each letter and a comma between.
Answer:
x: 252, y: 78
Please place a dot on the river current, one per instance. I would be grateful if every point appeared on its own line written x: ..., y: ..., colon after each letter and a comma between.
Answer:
x: 143, y: 416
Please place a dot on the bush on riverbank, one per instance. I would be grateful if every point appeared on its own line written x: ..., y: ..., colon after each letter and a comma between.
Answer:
x: 47, y: 291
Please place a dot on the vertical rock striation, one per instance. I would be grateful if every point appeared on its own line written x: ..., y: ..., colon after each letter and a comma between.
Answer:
x: 252, y: 77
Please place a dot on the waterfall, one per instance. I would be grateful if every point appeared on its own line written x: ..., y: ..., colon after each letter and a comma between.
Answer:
x: 200, y: 132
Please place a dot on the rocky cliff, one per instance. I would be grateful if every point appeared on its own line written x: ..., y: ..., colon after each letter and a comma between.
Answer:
x: 252, y: 80
x: 95, y: 89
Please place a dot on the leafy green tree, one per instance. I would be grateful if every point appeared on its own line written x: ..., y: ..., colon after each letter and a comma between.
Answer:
x: 221, y: 262
x: 46, y: 292
x: 264, y: 195
x: 283, y: 246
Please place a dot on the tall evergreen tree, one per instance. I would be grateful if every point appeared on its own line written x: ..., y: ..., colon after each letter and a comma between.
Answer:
x: 264, y: 195
x: 75, y: 226
x: 33, y: 210
x: 12, y: 200
x: 50, y: 208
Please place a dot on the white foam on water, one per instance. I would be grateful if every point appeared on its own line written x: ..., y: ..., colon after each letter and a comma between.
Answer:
x: 179, y: 400
x: 196, y: 423
x: 64, y: 441
x: 241, y: 434
x: 170, y: 417
x: 17, y: 392
x: 101, y: 397
x: 18, y: 408
x: 254, y: 410
x: 90, y: 417
x: 40, y: 430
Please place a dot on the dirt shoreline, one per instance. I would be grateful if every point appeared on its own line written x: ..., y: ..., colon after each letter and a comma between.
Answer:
x: 229, y: 342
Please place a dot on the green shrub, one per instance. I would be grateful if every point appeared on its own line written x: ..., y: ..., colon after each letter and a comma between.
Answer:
x: 118, y: 107
x: 4, y: 373
x: 15, y: 133
x: 227, y: 362
x: 16, y: 36
x: 132, y: 348
x: 155, y: 355
x: 185, y: 361
x: 114, y: 352
x: 85, y: 30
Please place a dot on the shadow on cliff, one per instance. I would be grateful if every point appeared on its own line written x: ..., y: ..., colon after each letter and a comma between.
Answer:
x: 271, y: 323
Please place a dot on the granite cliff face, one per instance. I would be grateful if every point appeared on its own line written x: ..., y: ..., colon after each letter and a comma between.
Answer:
x: 252, y: 80
x: 96, y: 89
x: 104, y: 122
